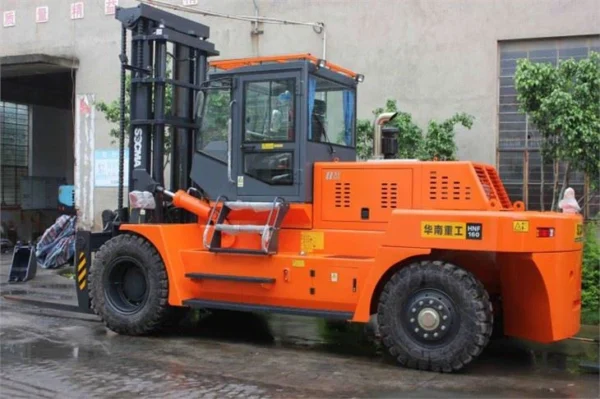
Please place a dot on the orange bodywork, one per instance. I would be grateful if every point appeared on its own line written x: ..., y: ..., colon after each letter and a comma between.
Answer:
x: 371, y: 218
x: 242, y: 62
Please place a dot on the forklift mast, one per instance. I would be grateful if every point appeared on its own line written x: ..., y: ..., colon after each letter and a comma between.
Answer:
x: 156, y: 37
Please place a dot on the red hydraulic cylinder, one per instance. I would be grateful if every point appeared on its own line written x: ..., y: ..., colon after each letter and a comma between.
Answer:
x: 181, y: 199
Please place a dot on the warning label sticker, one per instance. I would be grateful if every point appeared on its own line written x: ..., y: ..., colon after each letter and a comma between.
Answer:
x: 579, y: 232
x: 309, y: 241
x: 452, y: 230
x: 521, y: 226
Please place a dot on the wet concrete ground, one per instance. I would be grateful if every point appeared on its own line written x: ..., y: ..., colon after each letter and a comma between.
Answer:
x: 55, y: 353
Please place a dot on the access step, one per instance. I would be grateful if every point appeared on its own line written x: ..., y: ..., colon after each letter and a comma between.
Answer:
x: 269, y: 231
x: 254, y: 206
x: 241, y: 228
x: 241, y: 251
x: 243, y: 307
x: 227, y: 277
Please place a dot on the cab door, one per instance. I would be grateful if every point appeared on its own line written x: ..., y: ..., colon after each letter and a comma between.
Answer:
x: 265, y: 142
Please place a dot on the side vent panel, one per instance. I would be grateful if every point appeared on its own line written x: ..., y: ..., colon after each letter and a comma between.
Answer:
x: 442, y: 188
x: 389, y: 195
x: 364, y: 198
x: 342, y: 195
x: 454, y: 186
x: 492, y: 185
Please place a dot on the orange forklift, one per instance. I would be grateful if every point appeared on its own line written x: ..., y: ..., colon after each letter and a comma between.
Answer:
x: 267, y: 210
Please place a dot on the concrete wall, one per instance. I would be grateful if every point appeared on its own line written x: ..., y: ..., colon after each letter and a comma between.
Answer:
x: 435, y: 57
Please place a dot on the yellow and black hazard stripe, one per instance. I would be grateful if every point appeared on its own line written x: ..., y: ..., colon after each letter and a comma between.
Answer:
x: 82, y: 271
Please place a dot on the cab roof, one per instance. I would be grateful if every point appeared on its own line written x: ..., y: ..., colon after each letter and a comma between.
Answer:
x: 280, y: 59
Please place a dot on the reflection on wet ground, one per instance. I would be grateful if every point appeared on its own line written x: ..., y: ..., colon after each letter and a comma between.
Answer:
x: 507, y: 356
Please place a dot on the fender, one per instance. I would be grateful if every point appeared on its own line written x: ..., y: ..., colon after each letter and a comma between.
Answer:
x: 386, y: 259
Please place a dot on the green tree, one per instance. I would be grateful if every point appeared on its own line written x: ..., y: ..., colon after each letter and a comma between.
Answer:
x: 564, y: 103
x: 437, y: 143
x: 590, y: 279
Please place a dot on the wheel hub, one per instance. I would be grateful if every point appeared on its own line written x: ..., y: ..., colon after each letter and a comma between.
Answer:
x: 430, y: 316
x: 428, y: 319
x: 126, y: 286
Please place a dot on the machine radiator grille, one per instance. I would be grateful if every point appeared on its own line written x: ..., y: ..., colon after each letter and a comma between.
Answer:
x: 389, y: 195
x: 342, y: 195
x: 492, y: 185
x: 442, y: 188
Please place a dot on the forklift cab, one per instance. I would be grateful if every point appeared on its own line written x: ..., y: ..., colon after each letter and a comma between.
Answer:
x: 263, y: 122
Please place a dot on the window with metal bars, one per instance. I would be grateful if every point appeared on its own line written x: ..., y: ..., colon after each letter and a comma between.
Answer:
x: 14, y: 150
x: 519, y: 162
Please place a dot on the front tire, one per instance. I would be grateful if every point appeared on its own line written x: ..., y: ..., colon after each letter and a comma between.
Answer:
x: 129, y: 287
x: 434, y: 316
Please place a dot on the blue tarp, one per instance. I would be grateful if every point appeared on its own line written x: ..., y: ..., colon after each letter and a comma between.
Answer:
x: 57, y: 244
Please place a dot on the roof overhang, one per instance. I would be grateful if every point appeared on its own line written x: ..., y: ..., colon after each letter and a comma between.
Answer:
x: 35, y: 64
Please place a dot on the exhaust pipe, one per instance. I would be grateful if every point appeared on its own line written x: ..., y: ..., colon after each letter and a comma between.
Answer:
x: 380, y: 121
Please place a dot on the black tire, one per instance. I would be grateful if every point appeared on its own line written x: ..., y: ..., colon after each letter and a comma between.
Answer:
x: 129, y: 287
x: 434, y: 316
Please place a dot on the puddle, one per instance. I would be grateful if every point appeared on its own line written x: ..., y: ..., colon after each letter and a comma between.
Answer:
x: 39, y: 350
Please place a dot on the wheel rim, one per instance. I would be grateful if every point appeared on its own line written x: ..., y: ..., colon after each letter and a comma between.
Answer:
x: 126, y: 285
x: 431, y: 317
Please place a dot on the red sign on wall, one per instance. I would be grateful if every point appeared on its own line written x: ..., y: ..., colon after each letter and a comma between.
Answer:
x: 9, y: 18
x: 77, y: 10
x: 110, y: 6
x: 41, y: 14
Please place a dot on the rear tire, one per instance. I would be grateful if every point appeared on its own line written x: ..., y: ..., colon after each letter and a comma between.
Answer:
x: 129, y: 287
x: 434, y: 316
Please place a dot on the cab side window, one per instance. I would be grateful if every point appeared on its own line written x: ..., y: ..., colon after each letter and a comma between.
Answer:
x: 331, y: 109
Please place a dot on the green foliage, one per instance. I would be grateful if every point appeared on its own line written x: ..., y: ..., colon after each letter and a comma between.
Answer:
x: 564, y: 103
x: 590, y: 295
x: 437, y: 143
x: 364, y: 139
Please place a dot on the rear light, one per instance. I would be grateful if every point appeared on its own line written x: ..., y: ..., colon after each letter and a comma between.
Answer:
x: 545, y: 232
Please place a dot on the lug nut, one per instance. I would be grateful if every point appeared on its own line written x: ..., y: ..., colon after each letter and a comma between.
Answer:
x: 425, y: 335
x: 435, y: 334
x: 430, y: 301
x: 414, y: 310
x: 443, y: 328
x: 412, y: 320
x: 444, y: 317
x: 440, y: 307
x: 420, y: 303
x: 416, y: 330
